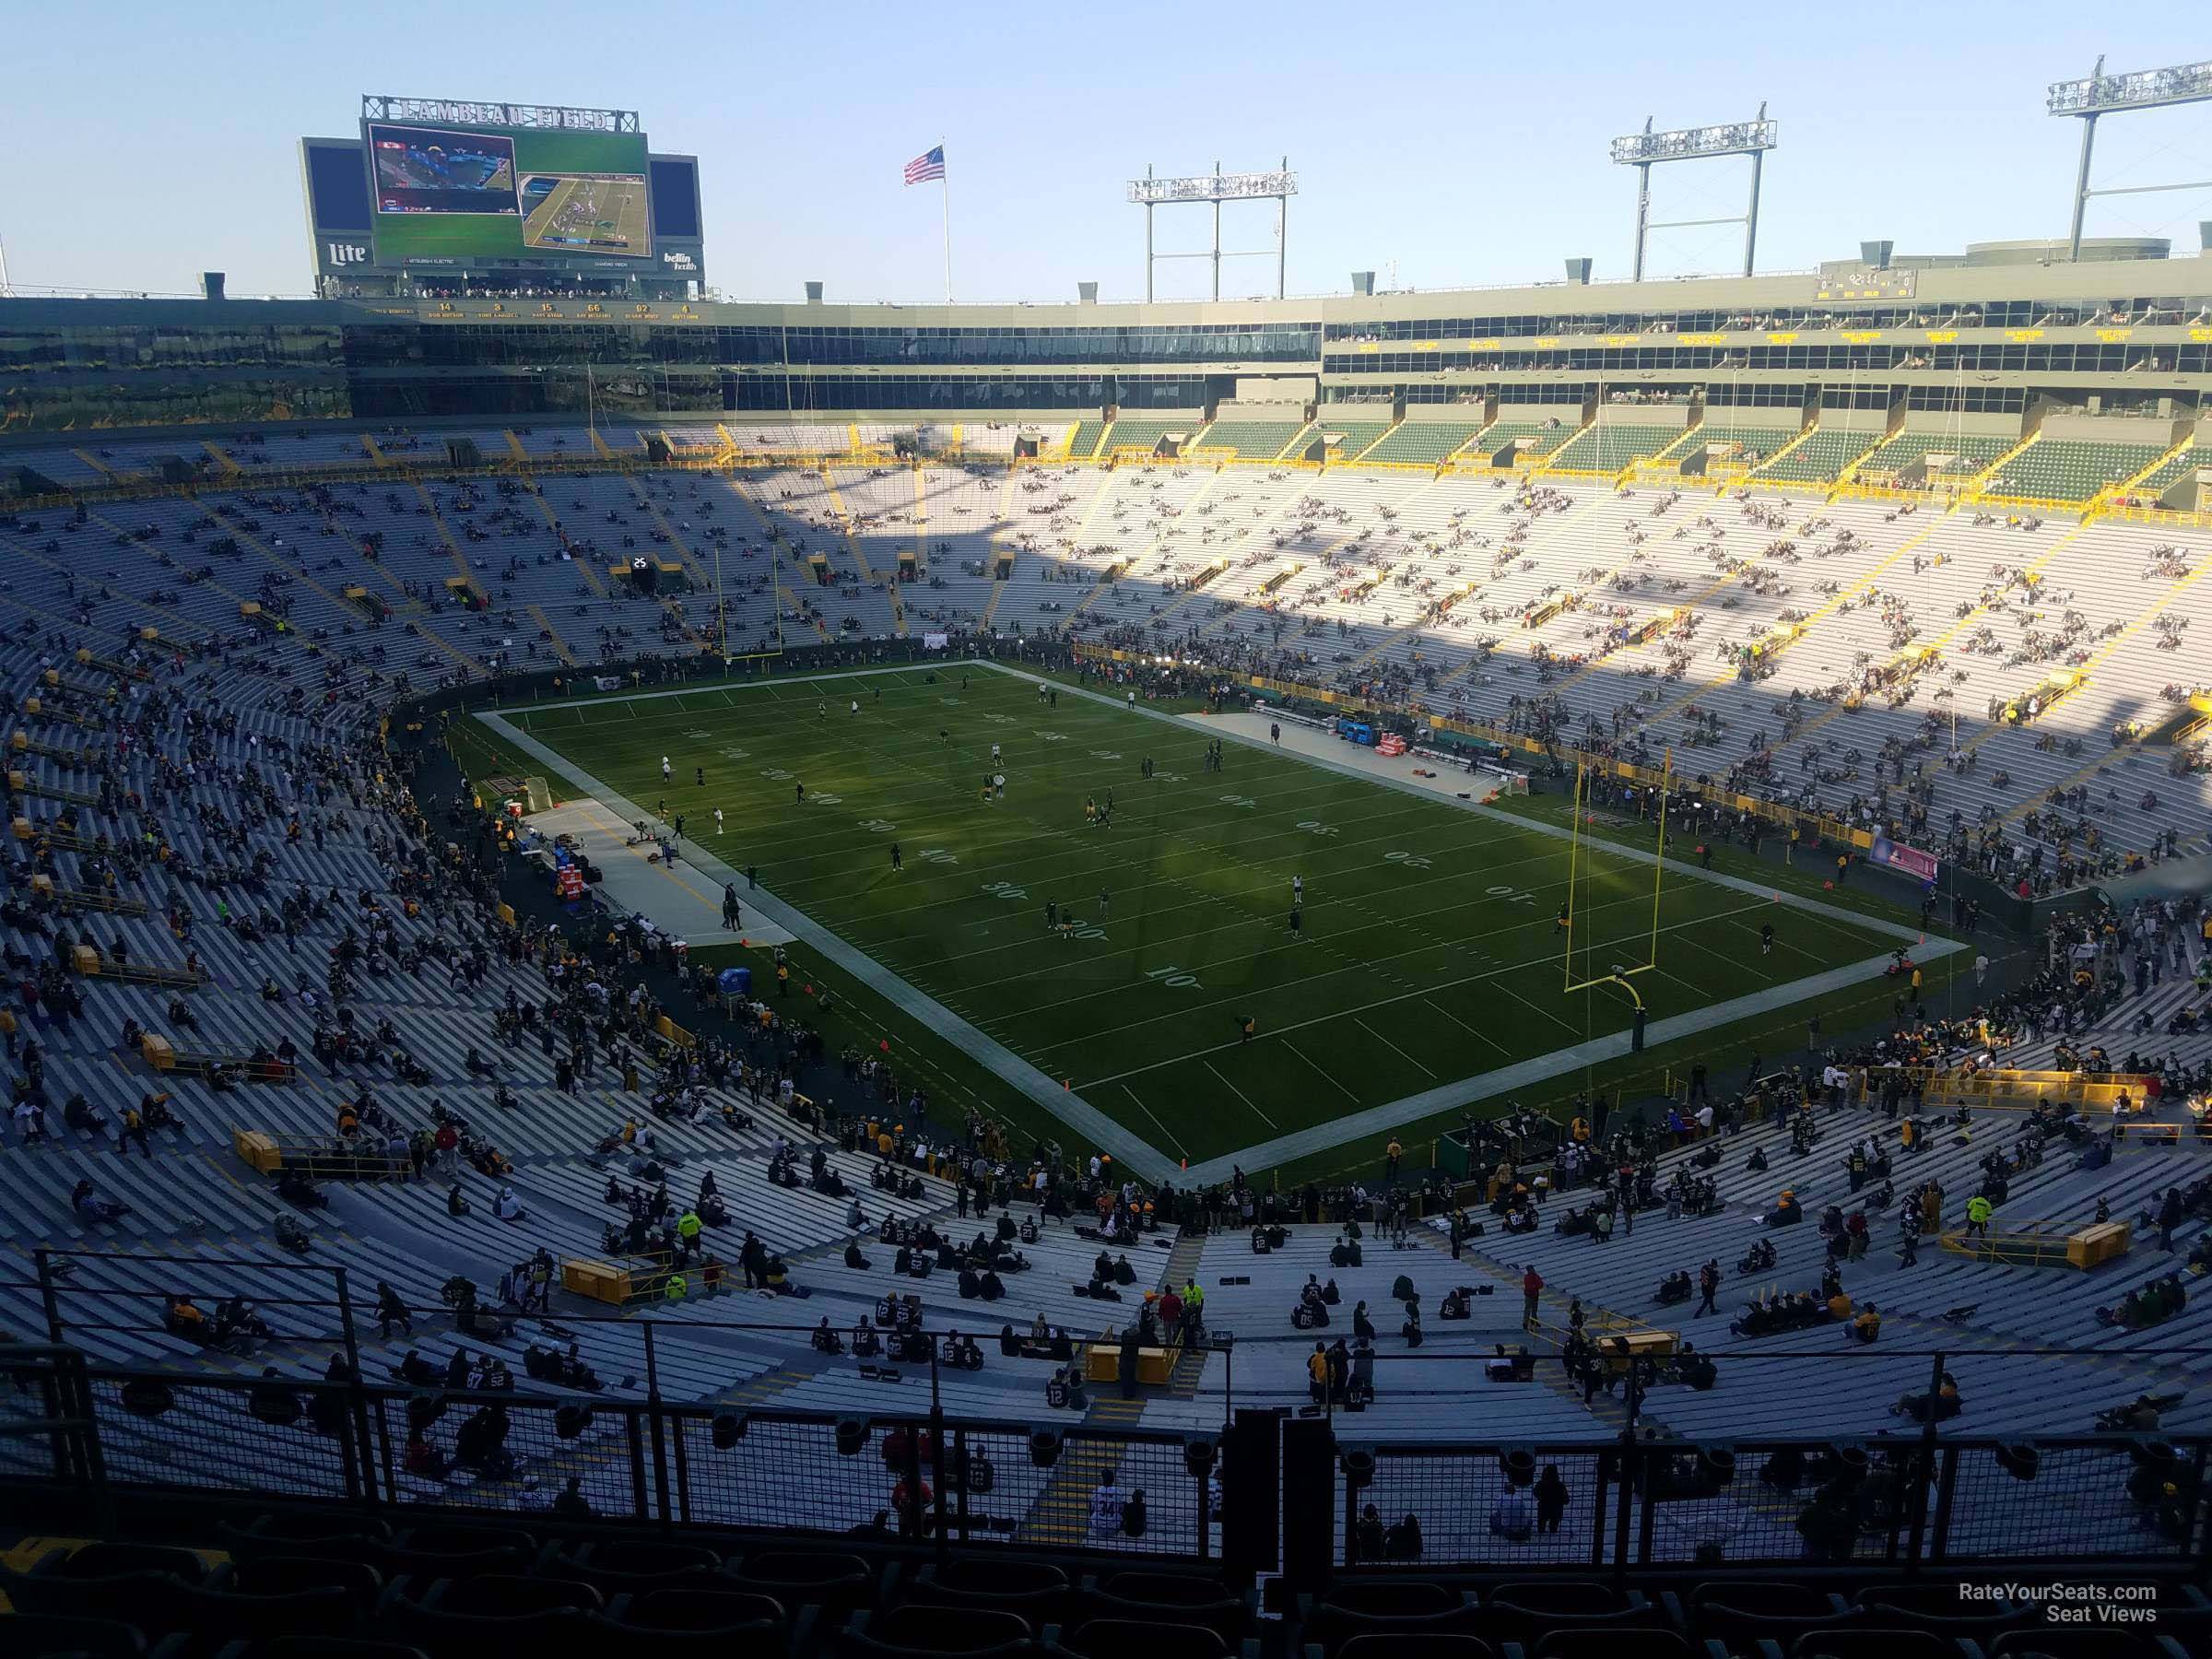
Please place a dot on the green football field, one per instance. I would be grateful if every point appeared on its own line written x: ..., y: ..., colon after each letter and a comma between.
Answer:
x: 612, y: 209
x: 1429, y: 949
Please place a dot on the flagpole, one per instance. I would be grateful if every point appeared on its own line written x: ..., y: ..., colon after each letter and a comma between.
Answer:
x: 945, y: 183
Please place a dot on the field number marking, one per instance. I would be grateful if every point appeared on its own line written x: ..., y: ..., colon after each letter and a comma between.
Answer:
x: 1171, y: 975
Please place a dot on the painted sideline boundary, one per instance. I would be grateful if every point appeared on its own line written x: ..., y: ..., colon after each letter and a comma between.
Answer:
x: 1483, y: 1086
x: 1108, y: 1134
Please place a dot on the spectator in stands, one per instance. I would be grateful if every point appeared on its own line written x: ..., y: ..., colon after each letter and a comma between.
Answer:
x: 182, y: 1318
x: 571, y: 1504
x: 1552, y: 1498
x: 391, y: 1310
x: 1917, y: 1406
x: 423, y: 1459
x: 481, y: 1443
x: 1512, y: 1517
x: 1978, y: 1211
x: 88, y: 1203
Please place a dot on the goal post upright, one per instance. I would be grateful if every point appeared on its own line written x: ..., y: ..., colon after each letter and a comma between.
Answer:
x: 1616, y: 973
x: 1666, y: 779
x: 1574, y: 859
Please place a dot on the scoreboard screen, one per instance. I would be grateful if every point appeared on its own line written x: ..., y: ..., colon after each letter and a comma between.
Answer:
x: 470, y: 192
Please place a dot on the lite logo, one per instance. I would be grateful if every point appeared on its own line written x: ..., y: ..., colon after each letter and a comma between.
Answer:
x: 345, y: 254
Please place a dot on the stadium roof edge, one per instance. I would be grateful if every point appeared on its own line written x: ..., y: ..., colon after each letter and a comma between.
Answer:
x: 2014, y: 273
x: 2083, y: 283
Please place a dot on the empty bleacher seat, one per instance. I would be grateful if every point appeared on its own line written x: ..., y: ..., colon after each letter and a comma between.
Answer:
x: 1647, y: 1641
x: 921, y: 1629
x: 30, y: 1635
x: 1039, y: 1590
x: 694, y: 1618
x: 1939, y: 1610
x: 634, y: 1565
x: 1868, y: 1641
x: 1183, y: 1598
x: 1760, y: 1608
x: 493, y: 1606
x: 837, y: 1584
x: 1526, y: 1610
x: 1427, y: 1645
x: 1392, y: 1607
x: 1154, y: 1638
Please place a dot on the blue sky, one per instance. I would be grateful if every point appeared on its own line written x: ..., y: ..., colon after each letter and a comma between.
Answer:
x: 146, y: 143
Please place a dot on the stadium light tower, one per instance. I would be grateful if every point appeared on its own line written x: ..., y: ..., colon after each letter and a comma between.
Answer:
x: 2103, y: 94
x: 1646, y: 149
x: 1217, y: 187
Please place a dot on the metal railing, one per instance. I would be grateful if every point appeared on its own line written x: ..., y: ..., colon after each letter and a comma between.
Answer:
x: 1915, y: 1503
x: 379, y: 1449
x: 1914, y: 1499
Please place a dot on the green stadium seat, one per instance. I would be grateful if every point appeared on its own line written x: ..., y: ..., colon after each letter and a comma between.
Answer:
x: 1547, y: 437
x: 1145, y: 431
x: 2163, y: 476
x: 1744, y: 446
x: 1822, y: 457
x: 1357, y: 435
x: 1248, y: 440
x: 1423, y: 443
x: 2065, y: 469
x: 1975, y: 451
x: 1606, y: 446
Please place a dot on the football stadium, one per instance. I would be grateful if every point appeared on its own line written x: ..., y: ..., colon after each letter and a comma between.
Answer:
x: 686, y: 970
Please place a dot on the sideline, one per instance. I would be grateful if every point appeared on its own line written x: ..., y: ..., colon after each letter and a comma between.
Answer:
x: 1110, y: 1135
x: 608, y: 700
x: 1483, y: 1086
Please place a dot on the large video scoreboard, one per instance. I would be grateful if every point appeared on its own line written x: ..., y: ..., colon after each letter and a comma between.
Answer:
x: 438, y: 189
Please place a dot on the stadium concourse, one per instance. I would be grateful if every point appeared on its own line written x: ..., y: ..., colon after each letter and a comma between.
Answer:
x: 235, y: 901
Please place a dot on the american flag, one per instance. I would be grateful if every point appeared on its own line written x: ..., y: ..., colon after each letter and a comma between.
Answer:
x: 928, y: 165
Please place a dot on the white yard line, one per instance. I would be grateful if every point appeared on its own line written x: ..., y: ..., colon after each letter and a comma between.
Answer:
x: 1238, y: 1092
x: 1464, y: 1026
x: 1179, y: 1147
x: 1427, y: 1071
x: 1301, y: 1054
